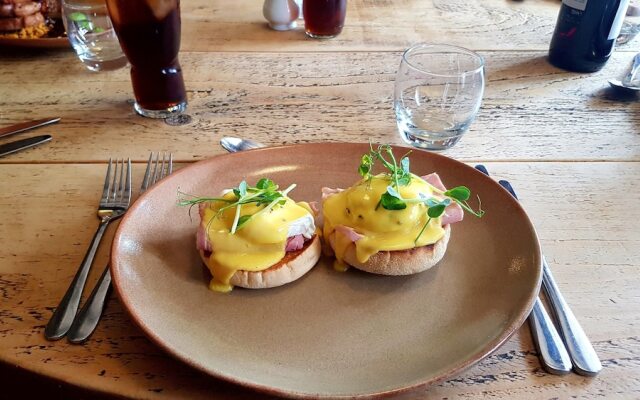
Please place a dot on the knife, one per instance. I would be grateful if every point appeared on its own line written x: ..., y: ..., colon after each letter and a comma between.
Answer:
x: 22, y: 144
x: 24, y: 126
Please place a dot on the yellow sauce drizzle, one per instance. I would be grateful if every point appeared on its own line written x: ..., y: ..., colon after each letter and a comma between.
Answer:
x: 382, y: 230
x: 256, y: 246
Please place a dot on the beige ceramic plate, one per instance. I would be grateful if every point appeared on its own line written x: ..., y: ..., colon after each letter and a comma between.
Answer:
x: 329, y: 333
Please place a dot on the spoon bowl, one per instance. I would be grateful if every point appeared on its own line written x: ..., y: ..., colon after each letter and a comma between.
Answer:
x: 618, y: 85
x: 234, y: 144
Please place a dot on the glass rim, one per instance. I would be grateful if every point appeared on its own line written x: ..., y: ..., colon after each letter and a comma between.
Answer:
x: 458, y: 49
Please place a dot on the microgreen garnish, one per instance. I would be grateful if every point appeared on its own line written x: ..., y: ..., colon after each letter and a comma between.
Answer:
x: 265, y: 193
x: 400, y: 175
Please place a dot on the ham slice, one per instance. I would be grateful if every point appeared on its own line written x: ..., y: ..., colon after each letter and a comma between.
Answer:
x: 314, y: 207
x: 434, y: 180
x: 348, y: 232
x: 294, y: 243
x: 452, y: 214
x: 326, y: 192
x: 201, y: 208
x: 201, y: 240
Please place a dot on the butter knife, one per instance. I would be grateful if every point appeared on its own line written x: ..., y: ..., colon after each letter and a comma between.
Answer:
x: 22, y: 144
x: 25, y: 126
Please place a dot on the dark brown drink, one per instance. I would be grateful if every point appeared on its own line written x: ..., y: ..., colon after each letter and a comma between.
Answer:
x: 149, y: 34
x: 324, y: 18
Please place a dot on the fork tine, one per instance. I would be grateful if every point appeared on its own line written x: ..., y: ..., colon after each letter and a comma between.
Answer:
x: 155, y: 169
x: 164, y: 156
x: 127, y: 184
x: 113, y: 189
x: 106, y: 189
x: 170, y: 163
x: 147, y: 174
x: 146, y: 181
x: 120, y: 194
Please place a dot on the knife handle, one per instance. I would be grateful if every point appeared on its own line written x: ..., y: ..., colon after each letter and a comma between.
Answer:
x: 552, y: 353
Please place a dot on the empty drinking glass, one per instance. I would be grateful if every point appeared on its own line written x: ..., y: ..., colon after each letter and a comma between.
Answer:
x: 437, y: 94
x: 91, y: 34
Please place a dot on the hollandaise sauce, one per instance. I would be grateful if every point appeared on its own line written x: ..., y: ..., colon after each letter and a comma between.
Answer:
x: 379, y: 229
x: 257, y: 245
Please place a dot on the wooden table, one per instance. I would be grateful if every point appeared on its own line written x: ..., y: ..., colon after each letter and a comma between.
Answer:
x: 569, y: 145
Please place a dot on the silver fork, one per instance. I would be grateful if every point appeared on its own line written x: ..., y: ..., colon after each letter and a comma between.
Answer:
x: 114, y: 202
x: 87, y: 319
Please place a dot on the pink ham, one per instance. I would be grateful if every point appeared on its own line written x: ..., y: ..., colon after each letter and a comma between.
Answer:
x: 294, y: 243
x: 453, y: 213
x: 435, y: 181
x: 348, y: 232
x: 326, y: 192
x: 201, y: 208
x: 201, y: 240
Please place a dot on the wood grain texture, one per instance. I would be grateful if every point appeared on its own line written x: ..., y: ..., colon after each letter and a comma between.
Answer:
x: 593, y: 249
x: 569, y: 145
x: 380, y: 25
x: 531, y: 110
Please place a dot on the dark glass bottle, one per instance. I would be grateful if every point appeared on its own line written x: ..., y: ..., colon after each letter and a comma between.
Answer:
x: 585, y: 33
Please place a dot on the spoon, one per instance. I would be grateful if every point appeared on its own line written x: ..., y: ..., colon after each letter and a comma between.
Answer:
x: 626, y: 85
x: 234, y: 144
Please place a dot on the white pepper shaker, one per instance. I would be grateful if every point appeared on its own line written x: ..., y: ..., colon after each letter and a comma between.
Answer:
x: 281, y: 14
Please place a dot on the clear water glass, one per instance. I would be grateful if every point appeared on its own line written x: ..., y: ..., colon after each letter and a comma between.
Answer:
x: 91, y: 34
x: 437, y: 95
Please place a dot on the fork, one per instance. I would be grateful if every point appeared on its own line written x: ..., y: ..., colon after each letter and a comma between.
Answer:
x: 553, y: 354
x: 87, y: 319
x: 583, y: 356
x: 116, y: 196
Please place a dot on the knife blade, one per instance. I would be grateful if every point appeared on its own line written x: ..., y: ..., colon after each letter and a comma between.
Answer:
x: 24, y: 126
x: 22, y: 144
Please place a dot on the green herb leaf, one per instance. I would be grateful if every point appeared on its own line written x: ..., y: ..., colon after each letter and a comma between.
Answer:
x: 390, y: 202
x: 404, y: 163
x: 436, y: 211
x: 242, y: 188
x: 365, y: 165
x: 404, y: 180
x: 393, y: 192
x: 266, y: 184
x: 243, y: 219
x: 461, y: 193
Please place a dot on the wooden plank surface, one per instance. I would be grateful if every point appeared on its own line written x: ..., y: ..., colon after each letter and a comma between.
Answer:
x: 376, y: 25
x: 570, y: 146
x: 531, y: 110
x: 593, y: 249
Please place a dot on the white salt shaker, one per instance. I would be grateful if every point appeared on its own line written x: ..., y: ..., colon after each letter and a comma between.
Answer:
x: 281, y: 14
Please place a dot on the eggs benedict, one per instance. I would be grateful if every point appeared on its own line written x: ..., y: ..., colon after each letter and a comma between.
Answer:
x: 255, y: 237
x: 391, y: 223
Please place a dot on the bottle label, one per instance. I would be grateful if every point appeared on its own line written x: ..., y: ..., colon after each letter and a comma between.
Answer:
x: 577, y: 4
x: 617, y: 22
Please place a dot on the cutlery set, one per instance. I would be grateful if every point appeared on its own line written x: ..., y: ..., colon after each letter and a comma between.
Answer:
x: 557, y: 356
x: 114, y: 203
x: 23, y: 144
